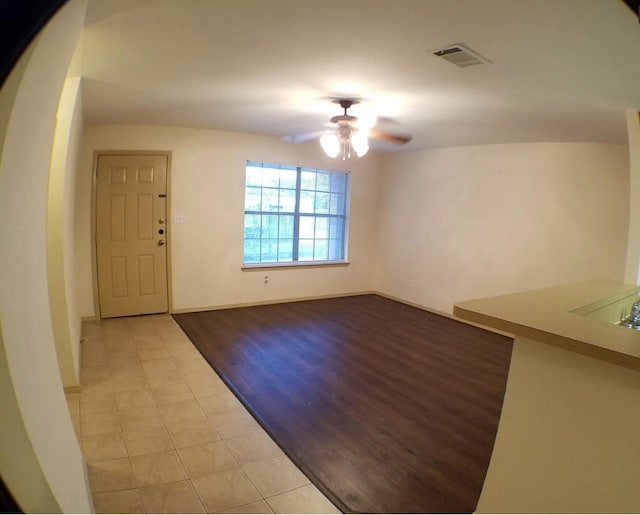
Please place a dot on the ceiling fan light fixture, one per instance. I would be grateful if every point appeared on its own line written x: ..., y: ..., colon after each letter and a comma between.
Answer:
x: 360, y: 143
x: 330, y: 144
x: 349, y: 133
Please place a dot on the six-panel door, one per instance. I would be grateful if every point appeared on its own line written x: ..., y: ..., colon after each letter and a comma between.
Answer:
x: 131, y: 234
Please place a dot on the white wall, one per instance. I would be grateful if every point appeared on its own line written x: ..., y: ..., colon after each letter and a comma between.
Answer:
x: 632, y: 269
x: 40, y: 459
x: 207, y: 186
x: 439, y: 225
x: 61, y: 233
x: 71, y: 286
x: 468, y: 222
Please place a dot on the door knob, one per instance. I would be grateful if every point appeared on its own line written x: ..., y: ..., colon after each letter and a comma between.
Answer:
x: 161, y: 221
x: 160, y: 243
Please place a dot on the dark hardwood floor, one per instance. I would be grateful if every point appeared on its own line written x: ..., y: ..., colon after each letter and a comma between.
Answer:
x: 385, y: 407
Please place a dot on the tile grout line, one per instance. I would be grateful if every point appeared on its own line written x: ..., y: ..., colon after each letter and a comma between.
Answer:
x: 189, y: 478
x: 182, y: 372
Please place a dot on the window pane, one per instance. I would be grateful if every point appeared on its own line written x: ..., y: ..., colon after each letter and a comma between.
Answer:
x: 288, y: 201
x: 322, y: 227
x: 306, y: 201
x: 308, y: 180
x: 336, y: 228
x: 251, y: 251
x: 269, y: 250
x: 320, y: 250
x: 286, y: 198
x: 288, y: 179
x: 342, y: 204
x: 305, y: 250
x: 252, y: 198
x: 252, y: 226
x: 286, y: 227
x: 323, y: 181
x: 307, y: 224
x: 285, y: 250
x: 338, y: 182
x: 271, y: 177
x: 322, y: 203
x: 269, y: 226
x: 254, y: 175
x: 337, y: 204
x: 336, y: 250
x: 270, y: 199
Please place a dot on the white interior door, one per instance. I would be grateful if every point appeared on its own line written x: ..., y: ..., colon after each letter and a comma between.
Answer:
x: 131, y: 234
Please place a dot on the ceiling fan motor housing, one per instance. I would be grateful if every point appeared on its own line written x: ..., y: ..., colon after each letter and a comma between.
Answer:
x: 344, y: 118
x: 346, y: 103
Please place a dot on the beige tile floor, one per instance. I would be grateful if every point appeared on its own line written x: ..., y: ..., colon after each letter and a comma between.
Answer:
x: 162, y: 433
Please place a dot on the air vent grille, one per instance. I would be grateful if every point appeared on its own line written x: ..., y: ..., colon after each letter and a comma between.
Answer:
x: 460, y: 56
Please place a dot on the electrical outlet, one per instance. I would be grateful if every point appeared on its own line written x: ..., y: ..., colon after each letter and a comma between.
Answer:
x: 266, y: 280
x: 179, y: 219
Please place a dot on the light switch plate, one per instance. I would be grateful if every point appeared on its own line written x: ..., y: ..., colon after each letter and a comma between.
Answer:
x: 179, y: 219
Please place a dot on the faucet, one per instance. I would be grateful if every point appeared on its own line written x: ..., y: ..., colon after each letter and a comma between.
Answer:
x: 633, y: 320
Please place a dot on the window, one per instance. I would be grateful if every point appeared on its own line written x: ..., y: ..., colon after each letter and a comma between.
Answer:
x: 294, y: 214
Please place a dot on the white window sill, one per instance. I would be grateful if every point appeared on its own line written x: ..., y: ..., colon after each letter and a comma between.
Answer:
x: 248, y: 267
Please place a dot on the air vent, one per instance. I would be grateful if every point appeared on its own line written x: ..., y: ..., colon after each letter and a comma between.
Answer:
x: 460, y: 56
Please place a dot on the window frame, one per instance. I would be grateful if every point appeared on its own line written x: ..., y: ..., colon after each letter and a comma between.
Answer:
x: 297, y: 214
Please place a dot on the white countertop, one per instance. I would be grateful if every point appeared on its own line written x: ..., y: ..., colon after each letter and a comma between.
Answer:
x: 545, y: 315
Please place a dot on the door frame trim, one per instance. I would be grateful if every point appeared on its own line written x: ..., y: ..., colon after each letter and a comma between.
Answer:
x: 94, y: 196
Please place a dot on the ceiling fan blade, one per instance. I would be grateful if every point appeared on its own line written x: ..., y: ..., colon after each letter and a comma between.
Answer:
x: 301, y: 138
x: 388, y: 136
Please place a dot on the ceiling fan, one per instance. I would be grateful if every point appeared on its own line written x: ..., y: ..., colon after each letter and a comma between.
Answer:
x: 347, y: 133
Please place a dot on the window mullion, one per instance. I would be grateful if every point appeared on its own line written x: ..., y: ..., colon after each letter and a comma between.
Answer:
x: 344, y: 210
x: 296, y: 216
x: 278, y: 232
x: 315, y: 222
x: 261, y: 226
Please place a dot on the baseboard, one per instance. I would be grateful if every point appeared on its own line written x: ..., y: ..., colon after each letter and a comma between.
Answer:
x: 442, y: 313
x: 269, y: 302
x: 415, y: 305
x: 333, y: 296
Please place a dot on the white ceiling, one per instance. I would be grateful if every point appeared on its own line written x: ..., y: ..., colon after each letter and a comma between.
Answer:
x: 561, y: 70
